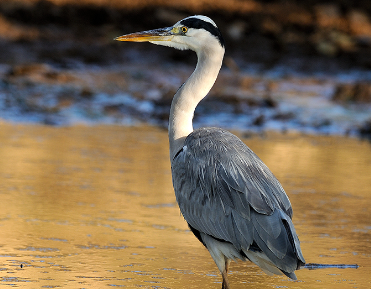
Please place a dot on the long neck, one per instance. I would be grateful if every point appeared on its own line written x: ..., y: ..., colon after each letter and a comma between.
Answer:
x: 190, y: 94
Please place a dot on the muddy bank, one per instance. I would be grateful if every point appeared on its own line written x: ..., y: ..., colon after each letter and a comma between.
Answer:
x: 288, y: 66
x: 308, y: 36
x: 136, y: 93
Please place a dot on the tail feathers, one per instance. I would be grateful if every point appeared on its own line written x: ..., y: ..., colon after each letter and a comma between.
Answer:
x: 276, y: 238
x: 290, y: 275
x: 260, y: 259
x: 290, y: 229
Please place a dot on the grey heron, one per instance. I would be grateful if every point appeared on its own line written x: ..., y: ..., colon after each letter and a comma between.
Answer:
x: 231, y: 201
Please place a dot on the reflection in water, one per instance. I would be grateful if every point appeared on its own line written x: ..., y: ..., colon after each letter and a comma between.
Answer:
x: 94, y: 206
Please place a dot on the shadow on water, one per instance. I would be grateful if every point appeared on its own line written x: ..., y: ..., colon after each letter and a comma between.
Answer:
x: 94, y: 206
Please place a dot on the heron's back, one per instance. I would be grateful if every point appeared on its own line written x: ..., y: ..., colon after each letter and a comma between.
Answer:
x: 225, y: 191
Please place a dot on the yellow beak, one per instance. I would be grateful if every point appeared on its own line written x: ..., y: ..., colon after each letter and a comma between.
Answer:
x: 162, y: 34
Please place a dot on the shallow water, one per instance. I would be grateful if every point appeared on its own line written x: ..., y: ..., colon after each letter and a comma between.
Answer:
x: 94, y: 207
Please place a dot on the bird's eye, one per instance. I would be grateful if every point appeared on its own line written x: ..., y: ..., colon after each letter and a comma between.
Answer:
x: 184, y: 29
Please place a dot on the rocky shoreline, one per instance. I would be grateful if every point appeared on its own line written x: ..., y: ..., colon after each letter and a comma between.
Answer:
x: 288, y: 67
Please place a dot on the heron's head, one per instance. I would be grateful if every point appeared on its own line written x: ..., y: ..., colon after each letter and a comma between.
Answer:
x: 195, y: 32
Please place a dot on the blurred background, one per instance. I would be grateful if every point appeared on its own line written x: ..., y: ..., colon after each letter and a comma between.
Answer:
x: 289, y: 65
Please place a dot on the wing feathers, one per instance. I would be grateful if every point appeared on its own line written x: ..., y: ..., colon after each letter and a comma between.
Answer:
x: 226, y: 192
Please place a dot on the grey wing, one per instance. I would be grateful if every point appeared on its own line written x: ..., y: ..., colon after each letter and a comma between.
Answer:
x: 224, y: 190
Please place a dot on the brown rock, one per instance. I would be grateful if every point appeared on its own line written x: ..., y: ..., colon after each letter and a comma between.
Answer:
x: 359, y: 23
x: 329, y: 16
x: 359, y: 92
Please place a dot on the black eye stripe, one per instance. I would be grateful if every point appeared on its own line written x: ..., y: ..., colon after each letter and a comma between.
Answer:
x: 197, y: 23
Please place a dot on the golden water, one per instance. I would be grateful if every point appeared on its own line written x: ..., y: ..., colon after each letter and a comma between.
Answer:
x: 93, y: 207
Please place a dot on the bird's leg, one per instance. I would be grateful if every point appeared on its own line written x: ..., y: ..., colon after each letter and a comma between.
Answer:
x: 225, y: 284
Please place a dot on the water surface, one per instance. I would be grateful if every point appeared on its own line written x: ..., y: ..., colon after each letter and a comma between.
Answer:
x: 93, y: 207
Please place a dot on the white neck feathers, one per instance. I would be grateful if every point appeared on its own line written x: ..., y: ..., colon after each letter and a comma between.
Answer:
x: 191, y: 93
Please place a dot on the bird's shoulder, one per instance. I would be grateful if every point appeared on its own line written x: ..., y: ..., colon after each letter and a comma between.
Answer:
x: 219, y: 165
x: 212, y: 144
x: 212, y: 138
